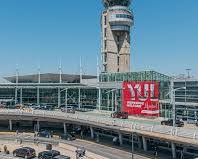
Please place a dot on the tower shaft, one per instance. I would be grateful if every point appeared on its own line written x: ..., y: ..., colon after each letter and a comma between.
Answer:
x: 116, y: 22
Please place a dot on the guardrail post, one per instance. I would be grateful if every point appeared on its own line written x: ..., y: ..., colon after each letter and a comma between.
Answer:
x: 122, y: 124
x: 172, y: 131
x: 132, y: 126
x: 87, y: 118
x: 152, y: 128
x: 176, y: 132
x: 194, y: 135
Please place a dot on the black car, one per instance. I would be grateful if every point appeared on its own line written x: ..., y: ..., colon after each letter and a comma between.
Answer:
x: 68, y: 109
x: 169, y: 122
x: 196, y: 124
x: 121, y: 115
x: 48, y: 154
x: 61, y: 157
x: 67, y: 136
x: 45, y: 133
x: 25, y: 152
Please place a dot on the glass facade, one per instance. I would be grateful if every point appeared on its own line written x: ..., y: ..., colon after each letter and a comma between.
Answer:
x: 113, y: 100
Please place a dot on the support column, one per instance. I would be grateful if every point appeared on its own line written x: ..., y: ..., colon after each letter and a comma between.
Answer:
x: 112, y: 101
x: 16, y: 95
x: 65, y: 128
x: 10, y: 125
x: 38, y: 125
x: 108, y: 102
x: 79, y: 98
x: 99, y: 99
x: 139, y: 142
x: 66, y: 97
x: 144, y: 143
x: 92, y: 132
x: 21, y: 96
x: 38, y: 96
x: 116, y: 102
x: 120, y: 138
x: 173, y: 150
x: 59, y: 97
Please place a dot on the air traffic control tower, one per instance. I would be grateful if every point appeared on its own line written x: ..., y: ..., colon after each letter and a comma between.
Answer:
x: 116, y: 22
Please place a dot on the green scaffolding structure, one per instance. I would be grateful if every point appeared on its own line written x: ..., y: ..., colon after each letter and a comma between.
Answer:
x: 113, y: 100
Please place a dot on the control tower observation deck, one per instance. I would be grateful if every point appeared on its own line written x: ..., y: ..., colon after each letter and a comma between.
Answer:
x: 116, y: 23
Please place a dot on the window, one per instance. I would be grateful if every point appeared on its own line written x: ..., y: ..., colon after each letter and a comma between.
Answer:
x: 118, y: 60
x: 105, y: 57
x: 105, y: 68
x: 105, y: 20
x: 105, y: 32
x: 124, y: 16
x: 105, y: 44
x: 118, y: 70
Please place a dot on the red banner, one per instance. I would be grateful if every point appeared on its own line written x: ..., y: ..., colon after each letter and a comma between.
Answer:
x: 141, y: 98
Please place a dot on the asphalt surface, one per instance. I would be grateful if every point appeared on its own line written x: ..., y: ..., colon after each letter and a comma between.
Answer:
x: 109, y: 152
x: 105, y: 151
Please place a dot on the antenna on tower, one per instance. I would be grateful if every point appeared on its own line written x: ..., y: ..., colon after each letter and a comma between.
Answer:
x: 60, y: 71
x: 17, y: 73
x: 80, y: 70
x: 39, y: 74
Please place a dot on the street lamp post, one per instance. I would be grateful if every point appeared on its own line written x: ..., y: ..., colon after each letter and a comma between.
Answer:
x: 172, y: 94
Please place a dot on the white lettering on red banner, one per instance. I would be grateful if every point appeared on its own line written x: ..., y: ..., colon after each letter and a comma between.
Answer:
x: 141, y: 98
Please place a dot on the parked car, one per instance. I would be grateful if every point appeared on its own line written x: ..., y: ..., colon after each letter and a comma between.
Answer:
x: 45, y: 133
x: 2, y: 106
x: 19, y: 106
x: 46, y: 107
x: 68, y: 109
x: 61, y: 157
x: 48, y: 154
x: 196, y: 124
x: 122, y: 115
x: 25, y: 152
x: 169, y: 122
x: 80, y: 152
x: 67, y: 136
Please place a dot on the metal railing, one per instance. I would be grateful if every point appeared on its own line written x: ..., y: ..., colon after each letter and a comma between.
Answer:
x: 106, y: 121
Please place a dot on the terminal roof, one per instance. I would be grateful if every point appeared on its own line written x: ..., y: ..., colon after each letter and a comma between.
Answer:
x: 49, y: 78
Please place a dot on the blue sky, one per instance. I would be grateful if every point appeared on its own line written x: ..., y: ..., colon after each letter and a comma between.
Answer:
x: 40, y: 32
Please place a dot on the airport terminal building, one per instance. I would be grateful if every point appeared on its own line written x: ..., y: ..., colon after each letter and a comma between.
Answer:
x: 116, y: 88
x: 107, y: 94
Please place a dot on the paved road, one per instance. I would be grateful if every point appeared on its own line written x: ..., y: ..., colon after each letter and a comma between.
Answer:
x: 109, y: 152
